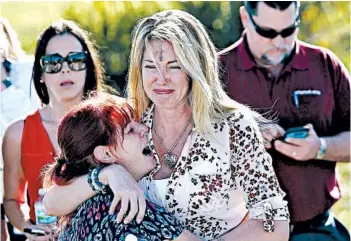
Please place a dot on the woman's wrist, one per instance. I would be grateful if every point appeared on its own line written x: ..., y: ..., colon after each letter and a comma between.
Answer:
x: 103, y: 176
x: 94, y: 182
x: 26, y: 223
x: 106, y: 172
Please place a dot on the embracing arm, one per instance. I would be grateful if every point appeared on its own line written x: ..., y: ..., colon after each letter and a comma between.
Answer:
x: 63, y: 200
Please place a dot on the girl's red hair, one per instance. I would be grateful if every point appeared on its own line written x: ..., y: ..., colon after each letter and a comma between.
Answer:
x: 99, y: 120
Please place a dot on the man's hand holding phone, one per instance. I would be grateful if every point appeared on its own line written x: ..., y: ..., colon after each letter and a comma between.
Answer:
x: 299, y: 143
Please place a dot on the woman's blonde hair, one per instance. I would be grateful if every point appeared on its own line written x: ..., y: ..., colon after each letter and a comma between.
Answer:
x: 15, y: 50
x: 198, y: 59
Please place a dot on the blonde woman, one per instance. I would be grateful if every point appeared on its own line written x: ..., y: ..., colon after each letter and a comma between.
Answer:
x: 212, y: 171
x: 17, y: 92
x: 15, y: 100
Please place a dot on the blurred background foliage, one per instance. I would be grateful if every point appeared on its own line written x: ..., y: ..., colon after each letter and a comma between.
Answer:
x: 110, y: 24
x: 324, y: 23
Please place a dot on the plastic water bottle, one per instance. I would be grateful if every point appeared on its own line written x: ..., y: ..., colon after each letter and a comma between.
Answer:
x: 40, y: 214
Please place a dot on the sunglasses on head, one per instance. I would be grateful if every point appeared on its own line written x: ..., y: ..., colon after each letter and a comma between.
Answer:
x: 52, y: 63
x: 271, y: 33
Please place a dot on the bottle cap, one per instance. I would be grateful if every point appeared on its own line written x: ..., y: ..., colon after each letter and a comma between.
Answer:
x: 42, y: 191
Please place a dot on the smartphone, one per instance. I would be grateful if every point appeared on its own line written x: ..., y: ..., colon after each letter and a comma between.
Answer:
x: 35, y: 231
x: 297, y: 132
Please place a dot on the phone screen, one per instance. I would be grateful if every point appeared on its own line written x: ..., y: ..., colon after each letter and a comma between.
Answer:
x: 296, y: 132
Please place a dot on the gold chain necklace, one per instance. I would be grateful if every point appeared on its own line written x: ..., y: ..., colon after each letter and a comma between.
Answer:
x: 170, y: 158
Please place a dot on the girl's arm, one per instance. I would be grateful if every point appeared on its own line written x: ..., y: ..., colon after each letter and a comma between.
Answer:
x: 63, y: 200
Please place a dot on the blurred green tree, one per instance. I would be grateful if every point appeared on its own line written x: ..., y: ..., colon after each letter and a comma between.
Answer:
x: 323, y: 23
x: 327, y: 24
x: 111, y: 24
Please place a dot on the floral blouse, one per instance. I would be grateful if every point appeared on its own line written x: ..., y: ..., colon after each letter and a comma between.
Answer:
x: 217, y: 182
x: 92, y: 222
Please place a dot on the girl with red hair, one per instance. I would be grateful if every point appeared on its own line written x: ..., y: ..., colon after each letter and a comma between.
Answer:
x: 92, y: 135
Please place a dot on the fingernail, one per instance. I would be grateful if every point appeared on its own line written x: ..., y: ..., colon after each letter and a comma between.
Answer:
x: 139, y: 220
x: 126, y: 221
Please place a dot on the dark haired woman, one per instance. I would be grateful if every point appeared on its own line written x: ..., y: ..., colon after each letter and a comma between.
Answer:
x: 93, y: 134
x: 66, y: 67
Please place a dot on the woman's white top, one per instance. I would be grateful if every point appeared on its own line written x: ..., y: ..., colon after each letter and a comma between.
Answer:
x: 215, y: 183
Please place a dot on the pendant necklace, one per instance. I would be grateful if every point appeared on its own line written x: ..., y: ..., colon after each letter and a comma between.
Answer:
x: 170, y: 158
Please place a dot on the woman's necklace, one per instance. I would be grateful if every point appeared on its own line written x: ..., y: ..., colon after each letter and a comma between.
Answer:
x: 170, y: 158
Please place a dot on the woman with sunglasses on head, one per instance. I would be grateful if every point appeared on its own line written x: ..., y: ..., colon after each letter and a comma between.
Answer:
x: 98, y: 133
x: 66, y: 68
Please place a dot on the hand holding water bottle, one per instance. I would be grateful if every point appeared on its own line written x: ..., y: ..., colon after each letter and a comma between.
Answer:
x: 45, y: 224
x: 38, y: 232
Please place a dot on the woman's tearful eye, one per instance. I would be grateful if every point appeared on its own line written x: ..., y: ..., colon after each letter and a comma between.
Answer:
x: 150, y: 67
x: 175, y: 67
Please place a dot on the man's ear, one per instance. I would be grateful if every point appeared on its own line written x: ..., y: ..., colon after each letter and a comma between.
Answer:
x: 244, y: 16
x: 103, y: 154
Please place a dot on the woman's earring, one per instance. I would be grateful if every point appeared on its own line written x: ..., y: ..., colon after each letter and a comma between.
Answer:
x: 42, y: 81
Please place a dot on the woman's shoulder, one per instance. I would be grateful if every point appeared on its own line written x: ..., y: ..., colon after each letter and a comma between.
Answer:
x: 242, y: 117
x: 244, y: 122
x: 14, y: 131
x: 11, y: 142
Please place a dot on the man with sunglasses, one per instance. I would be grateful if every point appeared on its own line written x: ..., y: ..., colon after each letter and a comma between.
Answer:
x: 269, y: 69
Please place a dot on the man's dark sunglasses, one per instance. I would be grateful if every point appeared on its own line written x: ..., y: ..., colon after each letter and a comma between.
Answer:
x: 271, y: 33
x: 52, y: 63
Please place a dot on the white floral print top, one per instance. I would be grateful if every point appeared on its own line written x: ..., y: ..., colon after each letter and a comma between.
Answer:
x: 215, y: 183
